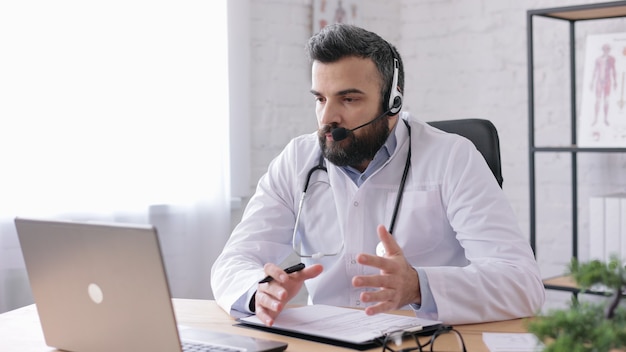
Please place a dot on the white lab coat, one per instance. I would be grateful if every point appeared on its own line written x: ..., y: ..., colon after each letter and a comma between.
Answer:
x: 454, y: 223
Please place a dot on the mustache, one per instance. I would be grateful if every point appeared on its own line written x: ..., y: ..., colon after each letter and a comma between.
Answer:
x: 327, y: 128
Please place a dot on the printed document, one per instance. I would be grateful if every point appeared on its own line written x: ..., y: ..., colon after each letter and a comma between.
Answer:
x: 343, y: 324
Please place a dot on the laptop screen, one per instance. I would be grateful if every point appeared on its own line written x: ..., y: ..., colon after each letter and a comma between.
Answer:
x: 102, y: 287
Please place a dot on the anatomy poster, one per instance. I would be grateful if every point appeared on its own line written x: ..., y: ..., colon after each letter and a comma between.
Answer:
x: 327, y: 12
x: 603, y: 110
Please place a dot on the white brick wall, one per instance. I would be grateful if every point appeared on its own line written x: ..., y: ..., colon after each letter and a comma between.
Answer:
x: 281, y: 105
x: 462, y: 59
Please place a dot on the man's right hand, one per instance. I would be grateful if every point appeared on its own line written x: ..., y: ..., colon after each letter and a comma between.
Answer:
x: 272, y: 297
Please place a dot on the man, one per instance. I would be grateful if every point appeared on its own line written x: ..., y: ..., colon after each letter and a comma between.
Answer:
x: 452, y: 250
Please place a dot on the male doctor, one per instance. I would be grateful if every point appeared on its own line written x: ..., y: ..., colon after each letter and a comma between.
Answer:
x: 397, y: 214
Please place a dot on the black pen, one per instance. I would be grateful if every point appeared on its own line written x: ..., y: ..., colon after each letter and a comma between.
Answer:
x: 289, y: 270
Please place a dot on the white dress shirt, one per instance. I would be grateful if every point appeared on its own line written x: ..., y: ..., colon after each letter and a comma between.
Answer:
x: 455, y: 226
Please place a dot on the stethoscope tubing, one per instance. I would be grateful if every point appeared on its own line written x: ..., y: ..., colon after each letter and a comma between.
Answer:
x: 320, y: 166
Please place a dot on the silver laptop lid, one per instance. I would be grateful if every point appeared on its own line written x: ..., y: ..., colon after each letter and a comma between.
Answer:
x: 98, y: 287
x: 103, y: 287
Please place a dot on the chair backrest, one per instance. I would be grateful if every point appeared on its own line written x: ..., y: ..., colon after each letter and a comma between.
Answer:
x: 483, y: 134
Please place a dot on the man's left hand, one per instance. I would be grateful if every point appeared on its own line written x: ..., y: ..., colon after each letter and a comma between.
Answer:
x: 397, y: 282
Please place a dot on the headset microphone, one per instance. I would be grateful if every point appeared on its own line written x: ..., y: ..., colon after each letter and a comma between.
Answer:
x: 340, y: 133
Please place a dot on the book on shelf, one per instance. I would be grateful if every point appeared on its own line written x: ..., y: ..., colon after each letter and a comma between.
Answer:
x: 596, y: 228
x: 602, y: 119
x: 620, y: 224
x: 607, y: 226
x: 612, y: 236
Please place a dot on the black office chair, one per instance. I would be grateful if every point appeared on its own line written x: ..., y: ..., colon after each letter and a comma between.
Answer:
x: 483, y: 134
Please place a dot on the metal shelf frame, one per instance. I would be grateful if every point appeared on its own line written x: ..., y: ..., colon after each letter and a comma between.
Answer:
x: 571, y: 15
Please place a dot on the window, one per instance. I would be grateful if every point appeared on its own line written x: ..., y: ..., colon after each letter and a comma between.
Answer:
x: 112, y: 104
x: 115, y: 107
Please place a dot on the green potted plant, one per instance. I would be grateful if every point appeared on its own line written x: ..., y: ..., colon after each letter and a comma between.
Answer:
x: 587, y: 326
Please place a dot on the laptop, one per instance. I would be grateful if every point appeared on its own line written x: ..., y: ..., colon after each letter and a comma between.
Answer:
x: 103, y: 287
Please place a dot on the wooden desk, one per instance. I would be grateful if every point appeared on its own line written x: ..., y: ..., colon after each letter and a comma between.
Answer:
x: 563, y: 283
x: 568, y: 284
x: 20, y: 329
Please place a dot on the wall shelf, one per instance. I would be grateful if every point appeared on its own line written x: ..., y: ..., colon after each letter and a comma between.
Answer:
x: 571, y: 15
x: 576, y: 149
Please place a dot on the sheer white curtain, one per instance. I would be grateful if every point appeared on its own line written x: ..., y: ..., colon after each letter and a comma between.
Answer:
x: 116, y: 110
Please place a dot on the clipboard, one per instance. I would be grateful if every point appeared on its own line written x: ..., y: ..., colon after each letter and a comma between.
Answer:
x: 344, y: 327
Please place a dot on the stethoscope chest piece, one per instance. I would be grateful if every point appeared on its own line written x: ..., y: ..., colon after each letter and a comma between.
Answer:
x: 380, y: 249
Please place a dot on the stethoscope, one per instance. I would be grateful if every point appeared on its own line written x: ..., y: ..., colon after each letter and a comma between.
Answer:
x: 380, y: 249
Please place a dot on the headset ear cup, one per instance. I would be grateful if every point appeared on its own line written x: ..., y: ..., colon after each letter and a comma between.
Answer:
x: 397, y: 103
x: 395, y: 96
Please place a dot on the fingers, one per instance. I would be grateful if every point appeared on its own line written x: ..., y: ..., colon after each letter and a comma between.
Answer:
x: 268, y: 306
x: 387, y: 297
x: 382, y: 263
x: 380, y: 307
x: 275, y: 272
x: 393, y: 276
x: 272, y: 297
x: 393, y: 290
x: 397, y: 283
x: 392, y: 249
x: 386, y: 266
x: 391, y: 246
x: 278, y: 274
x: 310, y: 272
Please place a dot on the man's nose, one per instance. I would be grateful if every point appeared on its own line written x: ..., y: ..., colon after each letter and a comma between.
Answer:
x: 330, y: 113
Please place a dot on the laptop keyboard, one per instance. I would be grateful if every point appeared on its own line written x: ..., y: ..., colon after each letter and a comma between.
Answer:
x: 203, y: 347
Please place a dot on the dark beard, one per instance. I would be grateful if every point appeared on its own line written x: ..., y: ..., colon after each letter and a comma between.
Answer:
x: 353, y: 150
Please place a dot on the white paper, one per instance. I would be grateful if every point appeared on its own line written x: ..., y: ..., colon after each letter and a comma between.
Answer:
x: 343, y: 324
x: 512, y: 342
